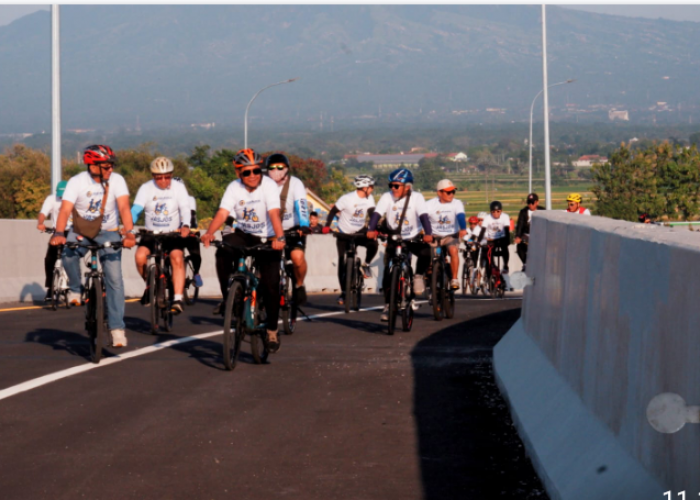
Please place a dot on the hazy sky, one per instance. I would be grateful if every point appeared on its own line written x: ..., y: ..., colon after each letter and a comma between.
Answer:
x: 9, y: 13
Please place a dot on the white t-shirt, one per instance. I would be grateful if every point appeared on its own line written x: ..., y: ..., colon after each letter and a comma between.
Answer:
x: 250, y: 209
x: 51, y: 207
x: 443, y: 216
x: 495, y: 228
x: 392, y: 209
x: 473, y: 234
x: 86, y: 194
x: 585, y: 211
x: 165, y: 209
x: 297, y: 192
x: 353, y: 212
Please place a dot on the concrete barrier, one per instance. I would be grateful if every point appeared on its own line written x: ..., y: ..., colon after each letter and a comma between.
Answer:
x: 611, y: 321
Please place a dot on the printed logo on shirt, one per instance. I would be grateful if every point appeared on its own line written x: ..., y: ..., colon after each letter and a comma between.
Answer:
x: 94, y: 207
x: 444, y: 219
x: 250, y: 215
x: 241, y: 203
x: 359, y: 212
x: 161, y: 209
x: 398, y: 217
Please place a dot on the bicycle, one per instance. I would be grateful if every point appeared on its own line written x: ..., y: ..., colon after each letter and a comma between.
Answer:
x: 244, y: 312
x: 401, y: 283
x: 443, y: 297
x: 94, y: 292
x: 191, y: 291
x: 354, y: 277
x: 472, y: 276
x: 59, y: 280
x: 496, y: 283
x: 160, y: 281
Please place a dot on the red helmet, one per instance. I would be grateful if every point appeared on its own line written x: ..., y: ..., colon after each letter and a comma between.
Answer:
x: 98, y: 154
x: 247, y: 158
x: 473, y: 220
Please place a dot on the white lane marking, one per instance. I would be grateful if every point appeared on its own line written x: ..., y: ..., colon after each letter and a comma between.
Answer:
x: 68, y: 372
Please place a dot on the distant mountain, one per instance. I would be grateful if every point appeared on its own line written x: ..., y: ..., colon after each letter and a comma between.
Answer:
x: 174, y: 65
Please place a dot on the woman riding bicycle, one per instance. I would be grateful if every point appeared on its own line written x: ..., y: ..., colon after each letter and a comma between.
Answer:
x: 254, y: 200
x: 167, y: 207
x: 403, y: 206
x: 496, y: 229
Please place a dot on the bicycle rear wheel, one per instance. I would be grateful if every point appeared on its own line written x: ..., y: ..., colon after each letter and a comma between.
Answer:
x: 191, y: 292
x: 55, y: 289
x: 234, y: 327
x: 394, y: 299
x: 258, y: 343
x: 466, y: 274
x: 437, y: 291
x: 406, y: 302
x: 288, y: 308
x: 96, y: 319
x: 152, y: 294
x: 359, y: 284
x: 349, y: 289
x: 167, y: 312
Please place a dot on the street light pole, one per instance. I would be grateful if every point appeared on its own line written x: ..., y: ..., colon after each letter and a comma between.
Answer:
x: 55, y: 98
x: 547, y: 166
x: 245, y: 124
x: 532, y: 108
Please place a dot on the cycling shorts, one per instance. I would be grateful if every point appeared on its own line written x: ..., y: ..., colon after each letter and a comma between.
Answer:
x: 169, y: 244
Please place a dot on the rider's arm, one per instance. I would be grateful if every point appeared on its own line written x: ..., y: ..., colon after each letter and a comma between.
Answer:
x: 425, y: 222
x: 183, y: 206
x: 302, y: 212
x: 506, y: 235
x: 124, y: 212
x: 331, y: 215
x: 63, y: 216
x: 217, y: 221
x: 462, y: 221
x: 481, y: 234
x: 374, y: 220
x: 136, y: 212
x: 276, y: 220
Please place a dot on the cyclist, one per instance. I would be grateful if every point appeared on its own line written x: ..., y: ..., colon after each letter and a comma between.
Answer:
x: 573, y: 205
x: 449, y: 222
x: 391, y: 205
x: 352, y: 210
x: 295, y: 214
x: 192, y: 243
x: 496, y: 229
x: 522, y: 230
x: 167, y: 208
x: 50, y: 208
x: 98, y: 192
x: 255, y: 202
x: 480, y: 217
x: 472, y: 236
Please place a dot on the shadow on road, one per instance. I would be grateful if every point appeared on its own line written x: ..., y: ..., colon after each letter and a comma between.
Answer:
x: 61, y: 340
x: 468, y: 446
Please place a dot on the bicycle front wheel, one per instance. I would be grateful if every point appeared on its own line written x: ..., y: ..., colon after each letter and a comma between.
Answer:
x: 349, y: 289
x: 258, y: 337
x: 234, y: 327
x: 288, y: 308
x: 394, y: 298
x: 152, y: 294
x: 466, y: 274
x: 407, y: 312
x: 96, y: 319
x: 359, y: 284
x: 191, y: 292
x: 437, y: 290
x: 55, y: 289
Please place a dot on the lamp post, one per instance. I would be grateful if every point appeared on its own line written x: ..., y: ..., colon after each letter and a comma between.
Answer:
x: 532, y: 108
x: 55, y: 98
x: 245, y: 125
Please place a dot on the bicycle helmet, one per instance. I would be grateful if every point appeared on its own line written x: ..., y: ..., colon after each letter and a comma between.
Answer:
x: 575, y: 197
x: 495, y: 205
x: 162, y: 165
x: 363, y: 181
x: 276, y: 158
x: 473, y: 220
x: 61, y: 188
x: 402, y: 175
x: 247, y: 158
x: 98, y: 153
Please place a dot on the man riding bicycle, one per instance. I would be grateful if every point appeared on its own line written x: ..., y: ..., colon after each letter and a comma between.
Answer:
x: 573, y: 205
x: 192, y: 241
x: 167, y: 208
x: 295, y: 216
x: 496, y: 229
x: 89, y: 196
x: 50, y: 209
x: 254, y: 200
x: 352, y: 209
x: 522, y: 230
x: 413, y: 219
x: 472, y: 237
x: 449, y: 223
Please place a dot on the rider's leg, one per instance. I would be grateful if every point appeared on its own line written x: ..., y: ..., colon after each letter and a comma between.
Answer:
x: 341, y: 246
x: 505, y: 253
x: 141, y: 257
x: 225, y: 259
x: 111, y: 260
x: 454, y: 259
x: 269, y: 265
x: 49, y: 263
x: 522, y: 253
x: 372, y: 247
x: 300, y: 266
x: 71, y: 263
x: 193, y: 247
x: 177, y: 261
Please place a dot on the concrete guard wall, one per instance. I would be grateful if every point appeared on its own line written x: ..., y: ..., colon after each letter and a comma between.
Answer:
x: 611, y: 321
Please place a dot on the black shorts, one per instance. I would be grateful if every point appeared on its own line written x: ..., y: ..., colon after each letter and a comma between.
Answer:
x: 169, y: 244
x: 292, y: 243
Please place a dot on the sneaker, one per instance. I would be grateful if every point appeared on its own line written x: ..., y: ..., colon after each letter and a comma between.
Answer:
x: 505, y: 270
x: 385, y: 313
x: 341, y: 299
x: 454, y: 284
x: 218, y: 309
x: 366, y: 271
x: 49, y: 295
x: 198, y: 281
x: 74, y: 299
x: 418, y: 285
x: 300, y: 295
x: 414, y: 305
x: 273, y: 341
x: 145, y: 298
x: 118, y: 337
x: 177, y: 307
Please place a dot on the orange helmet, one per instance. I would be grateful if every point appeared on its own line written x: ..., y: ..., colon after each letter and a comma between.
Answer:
x: 247, y: 158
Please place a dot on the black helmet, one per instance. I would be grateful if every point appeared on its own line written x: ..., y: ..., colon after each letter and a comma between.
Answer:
x: 495, y: 205
x: 276, y: 158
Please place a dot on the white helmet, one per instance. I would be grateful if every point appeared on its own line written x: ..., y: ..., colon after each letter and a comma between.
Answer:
x: 363, y: 181
x: 162, y: 165
x: 482, y: 215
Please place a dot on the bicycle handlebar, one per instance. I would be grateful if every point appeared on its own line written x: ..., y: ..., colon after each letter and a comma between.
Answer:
x: 264, y: 247
x: 351, y: 236
x: 107, y: 244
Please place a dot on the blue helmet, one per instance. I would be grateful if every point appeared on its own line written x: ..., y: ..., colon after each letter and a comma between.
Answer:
x: 402, y: 175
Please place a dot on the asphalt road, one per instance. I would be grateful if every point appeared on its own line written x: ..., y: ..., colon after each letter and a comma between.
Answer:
x: 342, y: 411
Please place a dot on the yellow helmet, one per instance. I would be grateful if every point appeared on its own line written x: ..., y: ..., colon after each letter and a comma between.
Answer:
x: 575, y: 197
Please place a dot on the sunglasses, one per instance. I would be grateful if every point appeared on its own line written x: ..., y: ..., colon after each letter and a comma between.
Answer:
x: 571, y: 203
x: 105, y: 166
x: 160, y: 177
x: 449, y: 192
x: 279, y: 166
x: 531, y: 202
x: 248, y: 173
x: 395, y: 186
